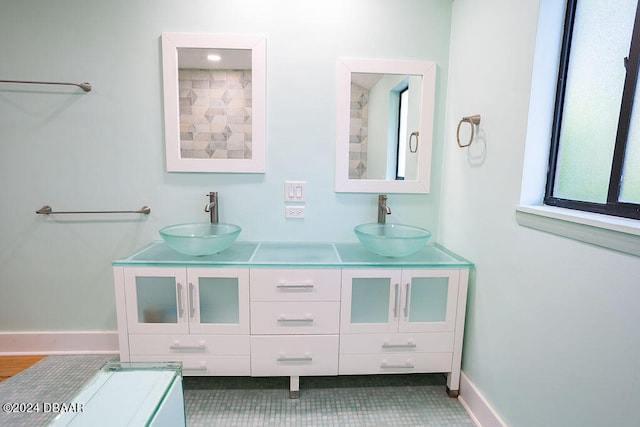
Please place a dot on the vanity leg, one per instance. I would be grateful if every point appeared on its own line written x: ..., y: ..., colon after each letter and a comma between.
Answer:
x: 453, y: 393
x: 294, y: 387
x: 453, y: 383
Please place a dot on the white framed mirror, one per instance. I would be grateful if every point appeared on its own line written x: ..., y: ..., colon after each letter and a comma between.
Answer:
x: 214, y: 102
x: 384, y: 125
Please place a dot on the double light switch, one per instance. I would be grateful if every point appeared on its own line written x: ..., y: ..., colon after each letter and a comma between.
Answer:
x: 294, y: 191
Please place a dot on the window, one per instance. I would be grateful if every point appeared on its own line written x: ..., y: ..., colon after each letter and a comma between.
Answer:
x: 403, y: 112
x: 594, y: 162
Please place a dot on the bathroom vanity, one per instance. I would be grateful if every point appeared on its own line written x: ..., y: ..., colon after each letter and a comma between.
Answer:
x: 294, y: 309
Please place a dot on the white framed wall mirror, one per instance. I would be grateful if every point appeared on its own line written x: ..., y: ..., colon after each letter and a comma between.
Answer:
x: 214, y: 102
x: 384, y: 125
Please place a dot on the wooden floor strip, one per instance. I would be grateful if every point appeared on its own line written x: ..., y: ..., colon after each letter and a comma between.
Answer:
x: 11, y: 365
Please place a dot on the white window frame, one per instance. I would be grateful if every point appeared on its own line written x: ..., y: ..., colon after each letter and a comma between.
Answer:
x: 619, y: 234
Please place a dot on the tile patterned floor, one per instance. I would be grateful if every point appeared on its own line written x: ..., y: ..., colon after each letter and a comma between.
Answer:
x: 376, y: 400
x: 385, y: 400
x: 53, y: 379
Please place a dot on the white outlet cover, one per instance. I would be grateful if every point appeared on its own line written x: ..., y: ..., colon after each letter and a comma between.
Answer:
x: 294, y: 212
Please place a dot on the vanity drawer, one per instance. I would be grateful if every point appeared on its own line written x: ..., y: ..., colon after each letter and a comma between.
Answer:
x: 437, y: 342
x: 295, y: 317
x: 294, y: 355
x: 391, y: 363
x: 141, y: 344
x: 193, y: 365
x: 295, y: 284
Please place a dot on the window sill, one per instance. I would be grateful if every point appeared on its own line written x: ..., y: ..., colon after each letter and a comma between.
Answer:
x: 619, y: 234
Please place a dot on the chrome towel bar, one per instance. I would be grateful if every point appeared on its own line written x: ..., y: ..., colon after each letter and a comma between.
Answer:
x: 84, y: 86
x: 47, y: 210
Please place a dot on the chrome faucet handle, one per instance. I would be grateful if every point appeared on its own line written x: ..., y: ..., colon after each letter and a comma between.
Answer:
x: 383, y: 209
x: 212, y: 206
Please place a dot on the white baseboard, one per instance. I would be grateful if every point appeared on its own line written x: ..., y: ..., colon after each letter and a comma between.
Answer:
x: 58, y: 342
x: 477, y: 406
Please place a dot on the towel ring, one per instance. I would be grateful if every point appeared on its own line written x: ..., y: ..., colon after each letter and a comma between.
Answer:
x: 413, y: 149
x: 473, y: 121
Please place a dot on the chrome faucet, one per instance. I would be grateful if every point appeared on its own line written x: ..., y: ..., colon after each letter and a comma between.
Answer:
x: 383, y: 209
x: 212, y: 207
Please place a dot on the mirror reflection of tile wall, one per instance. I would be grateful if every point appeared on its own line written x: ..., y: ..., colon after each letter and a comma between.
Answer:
x: 215, y: 113
x: 358, y: 132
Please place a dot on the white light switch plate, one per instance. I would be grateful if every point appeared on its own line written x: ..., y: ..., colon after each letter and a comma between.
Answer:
x: 294, y: 191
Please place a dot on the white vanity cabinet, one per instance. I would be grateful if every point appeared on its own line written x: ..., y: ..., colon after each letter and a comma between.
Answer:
x: 399, y: 300
x: 402, y: 321
x: 295, y: 322
x: 199, y: 316
x: 287, y: 309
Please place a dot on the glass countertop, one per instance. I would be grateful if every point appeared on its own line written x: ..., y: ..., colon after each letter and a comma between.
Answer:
x: 158, y: 252
x: 290, y: 254
x: 296, y: 253
x: 431, y: 255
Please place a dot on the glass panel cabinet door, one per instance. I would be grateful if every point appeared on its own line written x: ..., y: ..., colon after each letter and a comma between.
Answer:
x: 218, y: 300
x: 429, y: 299
x: 370, y: 300
x: 156, y: 300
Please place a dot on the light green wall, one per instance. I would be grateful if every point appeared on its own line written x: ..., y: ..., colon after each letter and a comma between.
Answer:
x: 552, y: 326
x: 105, y: 149
x: 551, y: 335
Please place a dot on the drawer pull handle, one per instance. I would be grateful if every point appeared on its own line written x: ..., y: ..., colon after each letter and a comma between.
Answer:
x: 294, y: 359
x: 307, y: 319
x: 295, y: 286
x: 407, y: 365
x: 178, y: 346
x: 202, y: 368
x: 408, y: 345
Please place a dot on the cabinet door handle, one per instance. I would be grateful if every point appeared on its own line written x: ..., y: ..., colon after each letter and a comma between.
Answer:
x: 178, y: 346
x: 407, y: 365
x: 294, y: 359
x: 192, y: 307
x: 406, y: 299
x: 396, y: 301
x: 180, y: 304
x: 407, y: 345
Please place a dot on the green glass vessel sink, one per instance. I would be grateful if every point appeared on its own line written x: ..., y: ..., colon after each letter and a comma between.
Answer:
x: 200, y: 239
x: 392, y: 240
